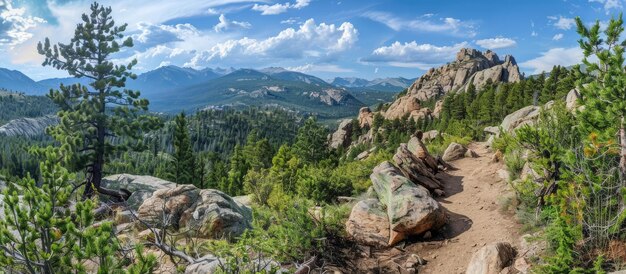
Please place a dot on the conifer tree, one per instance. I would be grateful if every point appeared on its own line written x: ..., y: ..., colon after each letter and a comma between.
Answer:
x: 91, y: 115
x: 310, y: 142
x: 184, y: 163
x: 605, y: 97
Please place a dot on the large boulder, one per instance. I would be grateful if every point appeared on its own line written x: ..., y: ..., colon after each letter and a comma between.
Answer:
x: 369, y: 223
x: 454, y: 151
x: 493, y: 131
x: 438, y: 108
x: 207, y: 213
x: 343, y: 136
x: 415, y: 168
x: 366, y: 117
x: 141, y: 187
x: 430, y: 135
x: 571, y: 101
x: 523, y: 116
x: 491, y: 259
x: 402, y: 106
x: 410, y: 208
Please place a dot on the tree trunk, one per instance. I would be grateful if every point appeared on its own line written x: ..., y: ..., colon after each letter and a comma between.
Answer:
x: 622, y: 142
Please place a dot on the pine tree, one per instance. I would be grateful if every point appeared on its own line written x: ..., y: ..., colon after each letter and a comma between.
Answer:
x: 184, y: 163
x: 42, y: 232
x: 91, y: 115
x: 605, y: 97
x: 310, y: 142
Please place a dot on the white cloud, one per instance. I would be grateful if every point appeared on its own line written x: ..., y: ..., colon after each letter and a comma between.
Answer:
x: 496, y: 43
x: 279, y: 8
x: 291, y: 21
x: 319, y: 68
x: 609, y: 4
x: 152, y: 35
x: 561, y: 22
x: 15, y: 26
x: 310, y: 40
x: 226, y: 24
x: 446, y: 25
x: 557, y: 37
x: 414, y: 55
x: 534, y: 34
x: 553, y: 57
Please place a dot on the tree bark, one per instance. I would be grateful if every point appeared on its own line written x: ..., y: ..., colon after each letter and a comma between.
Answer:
x: 622, y: 142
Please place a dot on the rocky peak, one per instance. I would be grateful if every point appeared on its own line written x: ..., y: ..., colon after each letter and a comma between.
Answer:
x: 471, y: 66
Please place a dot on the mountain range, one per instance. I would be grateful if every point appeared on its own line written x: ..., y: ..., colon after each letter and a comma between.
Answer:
x: 173, y: 89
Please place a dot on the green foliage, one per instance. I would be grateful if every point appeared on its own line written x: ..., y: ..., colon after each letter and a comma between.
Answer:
x: 41, y: 233
x: 184, y: 164
x: 310, y: 144
x: 91, y: 115
x: 17, y: 105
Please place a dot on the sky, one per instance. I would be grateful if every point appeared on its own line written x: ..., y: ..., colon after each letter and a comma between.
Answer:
x: 326, y: 38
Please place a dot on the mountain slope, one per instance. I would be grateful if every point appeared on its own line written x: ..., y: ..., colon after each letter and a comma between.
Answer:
x: 379, y: 84
x: 16, y: 81
x: 246, y: 87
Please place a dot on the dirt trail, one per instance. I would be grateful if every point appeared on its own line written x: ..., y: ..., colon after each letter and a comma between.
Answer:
x: 474, y: 194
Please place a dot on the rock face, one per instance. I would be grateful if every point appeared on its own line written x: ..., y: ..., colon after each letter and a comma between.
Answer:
x: 453, y: 152
x: 208, y: 213
x: 366, y: 117
x: 491, y: 259
x: 343, y: 136
x: 332, y: 96
x: 28, y: 127
x: 142, y: 187
x: 410, y: 208
x: 403, y: 106
x: 470, y: 66
x: 438, y: 108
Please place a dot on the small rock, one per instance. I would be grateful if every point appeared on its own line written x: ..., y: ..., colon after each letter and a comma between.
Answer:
x: 427, y: 235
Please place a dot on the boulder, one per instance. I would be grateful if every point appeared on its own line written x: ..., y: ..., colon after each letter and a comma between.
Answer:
x: 343, y: 136
x: 369, y: 223
x: 366, y: 117
x: 141, y: 187
x: 207, y: 213
x: 415, y: 169
x: 490, y: 141
x: 523, y: 116
x: 430, y: 135
x: 571, y: 101
x: 471, y: 154
x: 401, y: 107
x: 493, y: 131
x: 410, y: 208
x: 529, y: 173
x: 454, y: 151
x: 417, y: 147
x: 210, y: 264
x: 491, y: 259
x: 205, y: 265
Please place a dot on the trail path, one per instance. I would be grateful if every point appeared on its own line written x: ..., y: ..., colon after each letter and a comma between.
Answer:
x: 474, y: 194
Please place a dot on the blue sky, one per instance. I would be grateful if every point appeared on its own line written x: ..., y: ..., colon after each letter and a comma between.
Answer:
x: 326, y: 38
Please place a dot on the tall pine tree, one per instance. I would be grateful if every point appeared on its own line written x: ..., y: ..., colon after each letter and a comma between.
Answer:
x: 91, y: 115
x: 184, y: 163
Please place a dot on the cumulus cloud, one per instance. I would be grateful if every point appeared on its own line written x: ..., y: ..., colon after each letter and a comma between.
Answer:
x: 15, y: 25
x: 414, y: 55
x: 496, y: 43
x: 279, y: 8
x: 310, y: 40
x: 553, y: 57
x: 319, y: 68
x: 557, y: 37
x: 151, y: 35
x: 561, y: 22
x: 446, y: 25
x: 609, y: 4
x: 226, y: 24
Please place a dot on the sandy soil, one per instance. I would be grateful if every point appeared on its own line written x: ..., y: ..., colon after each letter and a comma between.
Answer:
x: 475, y: 193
